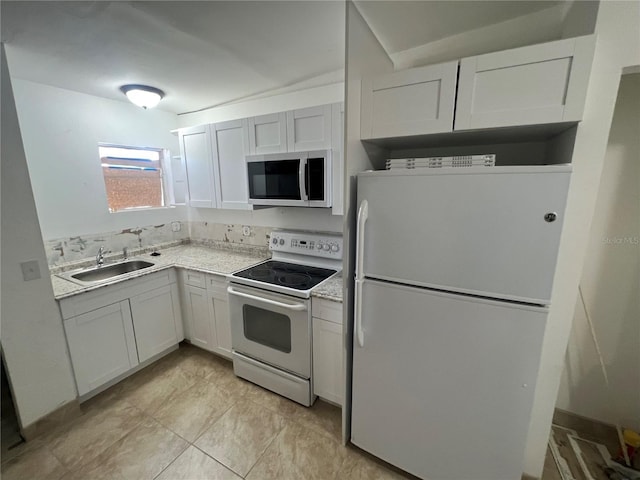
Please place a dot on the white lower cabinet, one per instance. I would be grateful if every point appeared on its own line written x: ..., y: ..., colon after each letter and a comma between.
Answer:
x: 328, y: 378
x: 112, y: 329
x: 206, y: 312
x: 102, y: 345
x: 154, y: 322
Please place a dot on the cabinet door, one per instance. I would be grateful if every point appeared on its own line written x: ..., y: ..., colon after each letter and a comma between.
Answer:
x: 327, y: 360
x: 196, y: 311
x: 543, y: 83
x: 230, y: 142
x: 409, y: 102
x: 195, y: 147
x: 268, y: 134
x: 155, y: 314
x: 337, y: 156
x: 101, y: 344
x: 309, y: 129
x: 219, y: 313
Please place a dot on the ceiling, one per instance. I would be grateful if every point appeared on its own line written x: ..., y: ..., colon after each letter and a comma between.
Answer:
x: 210, y: 53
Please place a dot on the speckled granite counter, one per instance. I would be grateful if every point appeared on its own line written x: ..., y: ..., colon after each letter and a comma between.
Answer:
x: 194, y: 257
x: 331, y: 289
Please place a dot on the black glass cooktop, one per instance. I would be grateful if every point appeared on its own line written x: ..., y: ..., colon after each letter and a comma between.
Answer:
x: 299, y: 277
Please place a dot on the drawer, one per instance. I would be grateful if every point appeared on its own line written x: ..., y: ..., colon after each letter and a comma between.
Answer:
x: 217, y: 285
x: 193, y: 278
x: 327, y: 310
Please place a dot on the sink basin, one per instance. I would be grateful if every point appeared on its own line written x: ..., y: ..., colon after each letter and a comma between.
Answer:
x: 110, y: 271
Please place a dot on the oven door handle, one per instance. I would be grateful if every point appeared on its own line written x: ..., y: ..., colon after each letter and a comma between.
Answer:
x: 299, y: 307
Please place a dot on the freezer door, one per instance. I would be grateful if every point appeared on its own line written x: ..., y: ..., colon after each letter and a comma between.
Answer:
x: 443, y: 384
x: 471, y: 232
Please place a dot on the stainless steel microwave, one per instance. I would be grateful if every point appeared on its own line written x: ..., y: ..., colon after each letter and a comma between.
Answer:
x: 299, y: 179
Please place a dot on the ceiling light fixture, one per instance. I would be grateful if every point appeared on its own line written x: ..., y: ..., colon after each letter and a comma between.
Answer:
x: 142, y: 95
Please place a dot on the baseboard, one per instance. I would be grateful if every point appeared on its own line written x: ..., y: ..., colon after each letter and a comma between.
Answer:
x: 61, y: 415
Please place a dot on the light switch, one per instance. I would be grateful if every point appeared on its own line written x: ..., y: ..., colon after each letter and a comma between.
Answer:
x: 30, y: 270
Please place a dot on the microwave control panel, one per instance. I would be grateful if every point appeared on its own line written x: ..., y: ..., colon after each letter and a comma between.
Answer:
x: 314, y: 244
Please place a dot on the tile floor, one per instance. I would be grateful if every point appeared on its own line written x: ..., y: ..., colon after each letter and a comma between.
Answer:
x: 188, y: 417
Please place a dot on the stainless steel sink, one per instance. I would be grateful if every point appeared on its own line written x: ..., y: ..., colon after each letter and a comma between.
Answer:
x: 100, y: 274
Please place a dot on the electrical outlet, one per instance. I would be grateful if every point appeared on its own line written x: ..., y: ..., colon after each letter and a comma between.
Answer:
x: 30, y: 270
x: 246, y: 230
x: 176, y: 226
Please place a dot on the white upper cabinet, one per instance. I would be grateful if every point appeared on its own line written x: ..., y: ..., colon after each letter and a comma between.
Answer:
x: 544, y: 83
x: 268, y: 134
x: 410, y: 102
x: 230, y: 143
x: 195, y: 147
x: 309, y: 129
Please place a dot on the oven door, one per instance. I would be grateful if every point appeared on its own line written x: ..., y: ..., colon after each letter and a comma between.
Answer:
x: 271, y: 327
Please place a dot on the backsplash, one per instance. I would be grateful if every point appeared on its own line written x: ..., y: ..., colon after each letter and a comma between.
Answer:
x: 204, y: 232
x: 71, y: 249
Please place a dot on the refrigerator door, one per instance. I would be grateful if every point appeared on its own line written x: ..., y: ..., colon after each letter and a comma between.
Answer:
x: 443, y: 384
x: 489, y: 231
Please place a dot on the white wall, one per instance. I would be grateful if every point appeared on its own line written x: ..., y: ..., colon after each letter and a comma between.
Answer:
x: 61, y: 130
x: 611, y: 282
x: 309, y: 97
x: 365, y: 56
x: 33, y: 340
x: 618, y: 30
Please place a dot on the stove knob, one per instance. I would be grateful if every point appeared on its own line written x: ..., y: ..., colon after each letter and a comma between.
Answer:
x: 326, y: 247
x: 335, y: 247
x: 319, y: 246
x: 282, y: 241
x: 275, y: 241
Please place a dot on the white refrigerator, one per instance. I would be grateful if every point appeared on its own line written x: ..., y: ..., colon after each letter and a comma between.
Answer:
x: 454, y: 269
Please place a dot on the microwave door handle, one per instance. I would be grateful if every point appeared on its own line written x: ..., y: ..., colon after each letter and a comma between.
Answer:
x: 304, y: 179
x: 296, y: 306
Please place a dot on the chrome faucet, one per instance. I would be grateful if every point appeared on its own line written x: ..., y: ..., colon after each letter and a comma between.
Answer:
x: 100, y: 257
x: 125, y: 253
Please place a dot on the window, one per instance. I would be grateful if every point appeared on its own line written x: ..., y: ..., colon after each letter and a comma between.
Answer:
x: 133, y: 177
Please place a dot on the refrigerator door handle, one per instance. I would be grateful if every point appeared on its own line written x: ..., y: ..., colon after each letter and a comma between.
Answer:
x: 363, y: 215
x: 359, y: 333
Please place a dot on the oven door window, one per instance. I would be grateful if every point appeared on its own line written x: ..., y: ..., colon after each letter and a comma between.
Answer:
x: 274, y: 179
x: 267, y: 328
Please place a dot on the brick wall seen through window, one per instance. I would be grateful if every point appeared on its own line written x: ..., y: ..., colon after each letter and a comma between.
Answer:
x: 133, y: 177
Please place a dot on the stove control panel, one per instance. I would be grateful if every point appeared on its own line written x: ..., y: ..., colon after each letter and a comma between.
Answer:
x: 313, y: 244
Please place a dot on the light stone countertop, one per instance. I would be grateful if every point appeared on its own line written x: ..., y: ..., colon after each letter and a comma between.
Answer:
x: 330, y: 289
x: 206, y: 259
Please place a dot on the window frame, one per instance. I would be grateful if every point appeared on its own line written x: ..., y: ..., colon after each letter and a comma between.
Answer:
x: 165, y: 177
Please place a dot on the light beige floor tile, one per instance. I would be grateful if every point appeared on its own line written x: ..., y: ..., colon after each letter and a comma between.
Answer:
x: 273, y: 401
x: 38, y: 463
x: 241, y: 435
x: 299, y: 453
x: 142, y: 454
x: 322, y: 417
x: 358, y: 466
x: 151, y: 391
x: 202, y: 363
x: 195, y: 465
x: 190, y: 413
x: 88, y: 436
x: 226, y: 381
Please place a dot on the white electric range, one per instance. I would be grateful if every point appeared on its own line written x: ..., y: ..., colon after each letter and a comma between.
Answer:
x: 270, y: 310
